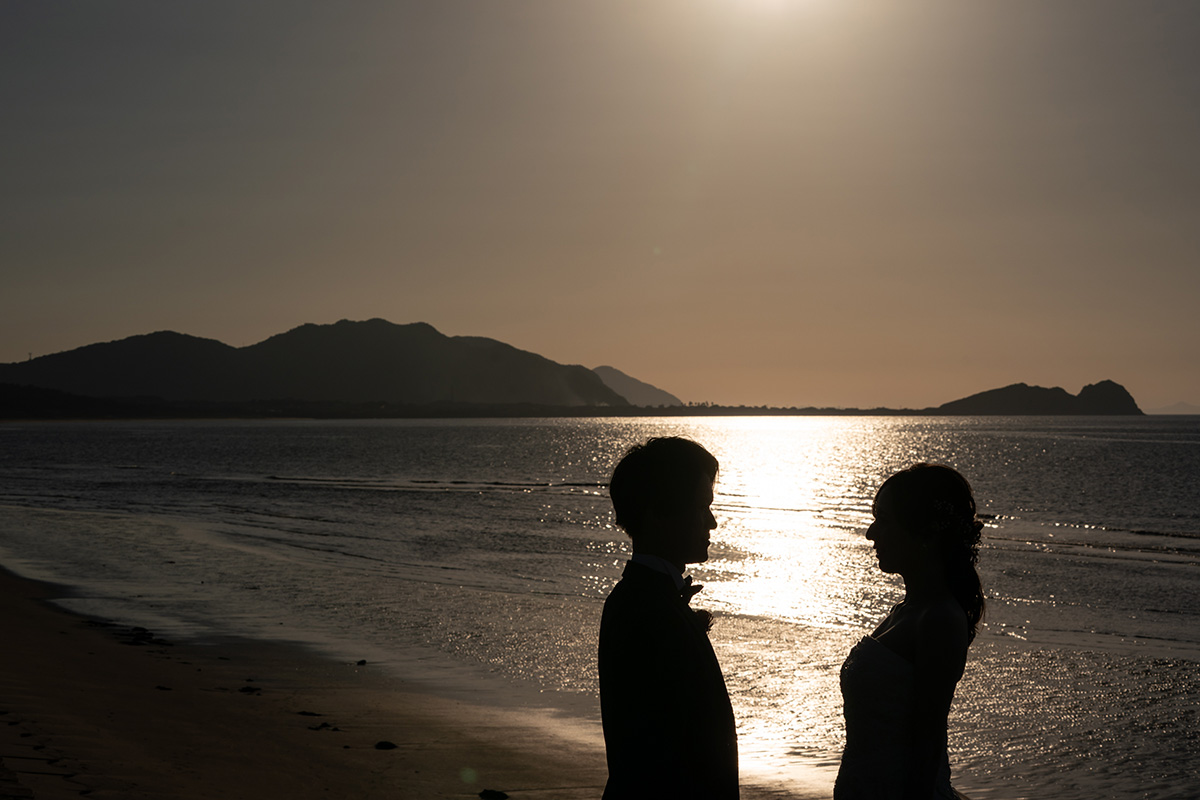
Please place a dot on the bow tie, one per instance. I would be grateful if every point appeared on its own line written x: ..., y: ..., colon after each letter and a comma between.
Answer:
x: 689, y: 589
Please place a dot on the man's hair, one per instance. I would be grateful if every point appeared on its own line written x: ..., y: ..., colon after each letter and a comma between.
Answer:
x: 658, y: 476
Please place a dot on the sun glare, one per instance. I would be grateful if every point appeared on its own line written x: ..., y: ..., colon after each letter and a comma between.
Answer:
x: 786, y: 551
x: 771, y: 6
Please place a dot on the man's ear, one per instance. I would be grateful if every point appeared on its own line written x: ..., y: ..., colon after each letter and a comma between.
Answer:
x: 655, y: 522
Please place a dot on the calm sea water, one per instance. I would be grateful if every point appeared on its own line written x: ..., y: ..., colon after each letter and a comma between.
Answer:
x: 475, y: 555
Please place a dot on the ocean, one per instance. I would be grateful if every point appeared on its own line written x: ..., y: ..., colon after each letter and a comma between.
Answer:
x: 474, y: 556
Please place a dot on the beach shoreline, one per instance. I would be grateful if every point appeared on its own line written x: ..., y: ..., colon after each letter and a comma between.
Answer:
x: 112, y: 711
x: 94, y: 708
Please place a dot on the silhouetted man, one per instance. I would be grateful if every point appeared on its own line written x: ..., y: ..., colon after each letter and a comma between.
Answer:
x: 668, y: 724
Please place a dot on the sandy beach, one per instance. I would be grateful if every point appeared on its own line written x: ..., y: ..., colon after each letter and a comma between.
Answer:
x: 95, y: 709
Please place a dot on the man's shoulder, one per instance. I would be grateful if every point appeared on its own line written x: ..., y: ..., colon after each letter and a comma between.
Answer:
x: 630, y: 591
x: 641, y: 581
x: 642, y: 616
x: 640, y: 592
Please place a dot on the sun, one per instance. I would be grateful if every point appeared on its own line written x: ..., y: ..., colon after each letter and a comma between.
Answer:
x: 768, y: 5
x: 770, y: 9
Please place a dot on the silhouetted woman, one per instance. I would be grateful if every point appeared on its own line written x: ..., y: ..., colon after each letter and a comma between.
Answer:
x: 897, y: 683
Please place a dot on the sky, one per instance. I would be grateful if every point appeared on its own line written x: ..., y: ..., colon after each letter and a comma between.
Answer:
x: 781, y: 202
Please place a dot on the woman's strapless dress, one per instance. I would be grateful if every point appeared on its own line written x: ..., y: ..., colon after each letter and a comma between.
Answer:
x: 877, y: 697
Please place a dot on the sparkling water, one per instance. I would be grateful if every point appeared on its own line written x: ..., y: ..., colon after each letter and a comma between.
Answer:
x: 474, y: 555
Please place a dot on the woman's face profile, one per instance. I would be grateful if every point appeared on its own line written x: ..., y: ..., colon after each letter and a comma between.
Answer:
x: 894, y: 545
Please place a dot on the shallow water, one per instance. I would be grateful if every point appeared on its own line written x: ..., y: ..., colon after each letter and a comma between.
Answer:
x: 476, y: 554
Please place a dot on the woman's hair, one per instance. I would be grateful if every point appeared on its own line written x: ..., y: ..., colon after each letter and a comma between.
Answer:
x: 934, y: 504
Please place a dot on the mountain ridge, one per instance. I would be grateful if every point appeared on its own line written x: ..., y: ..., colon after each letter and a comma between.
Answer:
x: 376, y: 367
x: 370, y: 361
x: 638, y: 393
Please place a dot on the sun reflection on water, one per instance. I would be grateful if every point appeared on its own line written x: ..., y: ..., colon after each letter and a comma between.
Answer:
x: 793, y: 498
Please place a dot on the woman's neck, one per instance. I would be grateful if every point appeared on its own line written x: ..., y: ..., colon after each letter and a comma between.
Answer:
x: 925, y: 584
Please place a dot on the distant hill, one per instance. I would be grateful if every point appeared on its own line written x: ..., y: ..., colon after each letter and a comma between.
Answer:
x: 377, y: 369
x: 30, y: 402
x: 1176, y: 408
x: 638, y: 393
x: 347, y: 362
x: 1105, y: 397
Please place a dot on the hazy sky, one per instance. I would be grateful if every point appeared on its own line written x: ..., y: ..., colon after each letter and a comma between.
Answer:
x: 790, y: 202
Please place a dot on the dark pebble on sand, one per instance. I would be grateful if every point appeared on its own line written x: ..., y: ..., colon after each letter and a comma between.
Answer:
x: 493, y: 794
x: 362, y: 662
x: 163, y: 688
x: 308, y: 713
x: 385, y: 745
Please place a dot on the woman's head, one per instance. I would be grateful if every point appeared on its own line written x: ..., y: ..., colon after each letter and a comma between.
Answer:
x: 934, y: 508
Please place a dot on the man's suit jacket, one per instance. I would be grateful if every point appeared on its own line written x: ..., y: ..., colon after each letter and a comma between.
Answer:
x: 669, y: 730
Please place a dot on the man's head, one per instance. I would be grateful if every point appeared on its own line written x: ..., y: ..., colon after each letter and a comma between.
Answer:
x: 661, y: 493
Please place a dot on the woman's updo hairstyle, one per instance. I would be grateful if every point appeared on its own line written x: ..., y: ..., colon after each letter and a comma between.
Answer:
x: 935, y: 505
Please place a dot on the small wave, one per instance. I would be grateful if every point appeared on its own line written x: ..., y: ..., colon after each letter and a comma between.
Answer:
x: 1086, y: 527
x: 1187, y: 612
x: 430, y: 484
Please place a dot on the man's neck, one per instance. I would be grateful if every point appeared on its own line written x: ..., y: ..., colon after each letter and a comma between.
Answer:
x: 660, y: 564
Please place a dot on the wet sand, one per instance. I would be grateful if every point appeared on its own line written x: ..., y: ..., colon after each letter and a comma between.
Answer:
x: 94, y: 709
x: 89, y: 707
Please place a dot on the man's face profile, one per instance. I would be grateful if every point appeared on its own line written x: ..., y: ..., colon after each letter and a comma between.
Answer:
x: 685, y: 530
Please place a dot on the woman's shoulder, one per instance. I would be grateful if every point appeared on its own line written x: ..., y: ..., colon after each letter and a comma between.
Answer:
x: 941, y: 612
x: 942, y: 619
x: 941, y: 633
